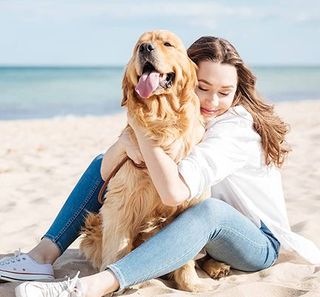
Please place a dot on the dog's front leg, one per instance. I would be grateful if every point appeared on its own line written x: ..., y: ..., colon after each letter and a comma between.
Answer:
x: 116, y: 242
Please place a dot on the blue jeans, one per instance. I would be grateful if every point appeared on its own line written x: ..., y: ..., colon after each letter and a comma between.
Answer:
x: 84, y: 197
x: 227, y: 235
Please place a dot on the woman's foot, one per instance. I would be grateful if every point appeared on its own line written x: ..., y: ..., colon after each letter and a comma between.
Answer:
x: 35, y: 265
x: 95, y: 285
x: 69, y: 288
x: 22, y: 267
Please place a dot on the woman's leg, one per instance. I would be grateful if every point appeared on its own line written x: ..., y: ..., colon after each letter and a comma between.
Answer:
x: 228, y: 236
x: 67, y: 225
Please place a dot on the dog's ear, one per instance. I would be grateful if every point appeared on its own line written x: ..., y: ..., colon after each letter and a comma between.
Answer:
x: 193, y: 81
x: 125, y: 89
x: 190, y: 80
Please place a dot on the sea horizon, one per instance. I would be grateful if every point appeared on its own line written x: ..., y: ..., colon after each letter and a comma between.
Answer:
x: 47, y: 91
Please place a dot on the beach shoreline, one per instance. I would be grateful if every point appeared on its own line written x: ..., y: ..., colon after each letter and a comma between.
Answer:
x: 42, y: 159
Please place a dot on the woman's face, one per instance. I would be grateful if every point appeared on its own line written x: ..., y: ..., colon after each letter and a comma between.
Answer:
x: 217, y: 84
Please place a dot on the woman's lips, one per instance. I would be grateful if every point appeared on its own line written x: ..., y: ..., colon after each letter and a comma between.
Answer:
x: 209, y: 111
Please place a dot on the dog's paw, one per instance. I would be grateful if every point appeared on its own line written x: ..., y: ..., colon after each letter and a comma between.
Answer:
x: 216, y: 269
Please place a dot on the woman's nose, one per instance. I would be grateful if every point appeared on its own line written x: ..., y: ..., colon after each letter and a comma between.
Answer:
x: 214, y: 100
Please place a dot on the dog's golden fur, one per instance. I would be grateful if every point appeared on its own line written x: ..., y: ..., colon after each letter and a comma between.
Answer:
x: 133, y: 210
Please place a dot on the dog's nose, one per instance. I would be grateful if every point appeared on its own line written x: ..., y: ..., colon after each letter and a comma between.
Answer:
x: 146, y: 48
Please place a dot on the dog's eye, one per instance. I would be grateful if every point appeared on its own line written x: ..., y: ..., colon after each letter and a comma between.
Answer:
x: 168, y: 44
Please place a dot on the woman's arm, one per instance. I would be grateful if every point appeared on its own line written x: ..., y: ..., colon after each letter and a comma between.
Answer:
x: 162, y: 170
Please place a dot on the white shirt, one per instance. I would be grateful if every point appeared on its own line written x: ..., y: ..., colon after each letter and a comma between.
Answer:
x: 230, y: 160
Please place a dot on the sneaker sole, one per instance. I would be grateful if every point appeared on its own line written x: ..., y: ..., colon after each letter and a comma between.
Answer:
x: 18, y: 277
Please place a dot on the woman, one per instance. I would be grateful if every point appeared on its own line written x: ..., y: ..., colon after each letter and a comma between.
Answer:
x: 243, y: 224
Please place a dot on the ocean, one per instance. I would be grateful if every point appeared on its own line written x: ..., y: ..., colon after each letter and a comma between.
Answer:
x: 45, y: 92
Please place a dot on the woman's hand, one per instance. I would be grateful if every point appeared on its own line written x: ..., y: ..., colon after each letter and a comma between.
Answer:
x: 132, y: 122
x: 131, y: 148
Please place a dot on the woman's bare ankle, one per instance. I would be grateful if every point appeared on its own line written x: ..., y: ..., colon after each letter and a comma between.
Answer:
x: 99, y: 284
x: 45, y: 252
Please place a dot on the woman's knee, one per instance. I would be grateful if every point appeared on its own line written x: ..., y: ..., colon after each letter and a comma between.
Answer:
x: 212, y: 206
x: 96, y: 163
x: 98, y: 159
x: 213, y: 210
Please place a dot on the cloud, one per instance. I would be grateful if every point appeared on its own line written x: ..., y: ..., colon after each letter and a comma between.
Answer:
x: 68, y: 29
x: 204, y: 14
x: 123, y: 10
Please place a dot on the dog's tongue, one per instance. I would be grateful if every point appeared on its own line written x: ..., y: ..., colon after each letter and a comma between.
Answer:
x: 148, y: 82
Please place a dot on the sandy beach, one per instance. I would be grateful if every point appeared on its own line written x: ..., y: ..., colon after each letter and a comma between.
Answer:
x: 41, y: 161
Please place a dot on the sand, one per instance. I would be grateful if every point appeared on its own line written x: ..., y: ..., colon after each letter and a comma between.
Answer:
x: 41, y: 160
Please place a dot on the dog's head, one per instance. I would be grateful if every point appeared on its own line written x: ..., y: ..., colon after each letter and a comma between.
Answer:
x: 159, y: 80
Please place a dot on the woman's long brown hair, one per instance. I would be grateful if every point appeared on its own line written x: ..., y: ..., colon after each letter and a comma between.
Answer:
x: 267, y: 124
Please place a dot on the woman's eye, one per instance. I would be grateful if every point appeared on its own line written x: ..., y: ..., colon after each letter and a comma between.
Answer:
x: 202, y: 89
x: 168, y: 44
x: 224, y: 94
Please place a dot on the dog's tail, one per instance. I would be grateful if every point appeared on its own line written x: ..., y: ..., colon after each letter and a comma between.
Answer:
x: 91, y: 243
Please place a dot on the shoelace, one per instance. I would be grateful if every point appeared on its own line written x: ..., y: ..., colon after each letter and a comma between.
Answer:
x: 12, y: 259
x: 62, y: 289
x: 71, y: 287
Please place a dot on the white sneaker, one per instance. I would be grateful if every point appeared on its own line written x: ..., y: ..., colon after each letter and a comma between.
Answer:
x: 68, y: 288
x: 22, y: 267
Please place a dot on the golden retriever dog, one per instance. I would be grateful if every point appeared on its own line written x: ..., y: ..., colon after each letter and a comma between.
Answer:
x: 158, y: 92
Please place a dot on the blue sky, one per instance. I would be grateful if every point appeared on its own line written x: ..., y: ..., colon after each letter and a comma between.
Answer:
x: 97, y: 32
